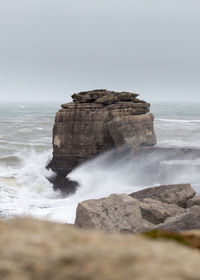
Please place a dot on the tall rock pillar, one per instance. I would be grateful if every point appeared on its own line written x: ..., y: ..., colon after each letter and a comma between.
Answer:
x: 94, y: 122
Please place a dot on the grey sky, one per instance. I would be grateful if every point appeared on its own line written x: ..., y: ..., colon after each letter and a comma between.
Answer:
x: 52, y: 48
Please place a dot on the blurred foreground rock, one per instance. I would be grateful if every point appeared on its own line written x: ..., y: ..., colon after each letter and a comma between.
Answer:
x: 37, y: 250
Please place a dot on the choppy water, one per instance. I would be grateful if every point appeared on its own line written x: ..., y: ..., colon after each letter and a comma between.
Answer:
x: 25, y: 149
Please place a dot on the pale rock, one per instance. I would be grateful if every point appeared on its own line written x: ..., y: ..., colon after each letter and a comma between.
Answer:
x: 172, y: 194
x: 116, y: 213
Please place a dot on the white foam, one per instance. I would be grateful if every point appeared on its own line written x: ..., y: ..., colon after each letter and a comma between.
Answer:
x: 178, y: 120
x: 26, y: 191
x: 33, y: 194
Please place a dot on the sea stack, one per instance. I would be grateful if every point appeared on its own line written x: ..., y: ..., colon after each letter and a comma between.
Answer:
x: 95, y: 122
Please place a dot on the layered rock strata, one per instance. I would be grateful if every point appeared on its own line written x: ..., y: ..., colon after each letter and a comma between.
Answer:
x: 94, y: 122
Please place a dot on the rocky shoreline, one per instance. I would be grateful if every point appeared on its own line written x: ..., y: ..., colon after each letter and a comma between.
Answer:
x: 150, y: 234
x: 172, y: 208
x: 99, y: 120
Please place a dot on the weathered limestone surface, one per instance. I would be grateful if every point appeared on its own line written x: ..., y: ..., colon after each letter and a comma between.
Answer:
x: 187, y: 221
x: 157, y: 212
x: 116, y: 213
x: 96, y: 121
x: 122, y: 213
x: 193, y: 201
x: 157, y: 207
x: 31, y: 250
x: 172, y: 194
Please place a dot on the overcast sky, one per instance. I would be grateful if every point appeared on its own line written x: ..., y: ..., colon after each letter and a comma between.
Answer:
x: 50, y: 49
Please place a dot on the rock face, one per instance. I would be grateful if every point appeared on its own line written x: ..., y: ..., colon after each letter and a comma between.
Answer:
x: 172, y: 194
x: 157, y: 212
x: 187, y: 221
x: 194, y: 201
x: 94, y: 122
x: 152, y: 208
x: 31, y: 250
x: 116, y: 213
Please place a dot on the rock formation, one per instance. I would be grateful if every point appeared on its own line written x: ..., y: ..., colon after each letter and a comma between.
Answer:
x: 193, y: 201
x: 31, y: 250
x: 162, y: 207
x: 157, y: 212
x: 94, y: 122
x: 116, y: 213
x: 172, y: 194
x: 187, y: 221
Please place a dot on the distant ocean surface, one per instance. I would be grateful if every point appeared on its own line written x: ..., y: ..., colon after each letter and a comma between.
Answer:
x: 25, y: 149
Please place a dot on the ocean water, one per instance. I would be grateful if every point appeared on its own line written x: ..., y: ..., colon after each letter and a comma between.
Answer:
x: 25, y: 149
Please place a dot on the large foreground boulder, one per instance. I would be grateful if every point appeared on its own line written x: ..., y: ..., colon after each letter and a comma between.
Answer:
x: 116, y: 213
x: 31, y: 250
x: 94, y: 122
x: 172, y: 194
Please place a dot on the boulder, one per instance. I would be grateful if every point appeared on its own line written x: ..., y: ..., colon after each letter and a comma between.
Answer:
x: 157, y: 212
x: 31, y: 249
x: 187, y: 221
x: 189, y: 238
x: 172, y: 194
x: 193, y: 201
x: 95, y: 122
x: 116, y: 213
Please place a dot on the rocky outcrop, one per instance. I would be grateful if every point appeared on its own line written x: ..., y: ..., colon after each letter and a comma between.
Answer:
x: 94, y: 122
x: 172, y: 194
x: 157, y: 207
x: 157, y: 212
x: 116, y: 213
x: 31, y: 250
x: 195, y: 201
x: 187, y: 221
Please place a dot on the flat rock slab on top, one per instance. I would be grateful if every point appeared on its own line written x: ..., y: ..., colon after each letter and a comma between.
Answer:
x: 104, y: 96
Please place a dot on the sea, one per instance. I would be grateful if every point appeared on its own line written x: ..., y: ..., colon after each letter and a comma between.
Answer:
x: 26, y: 149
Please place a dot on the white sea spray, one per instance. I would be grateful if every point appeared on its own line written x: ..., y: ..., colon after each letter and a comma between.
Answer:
x: 25, y: 149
